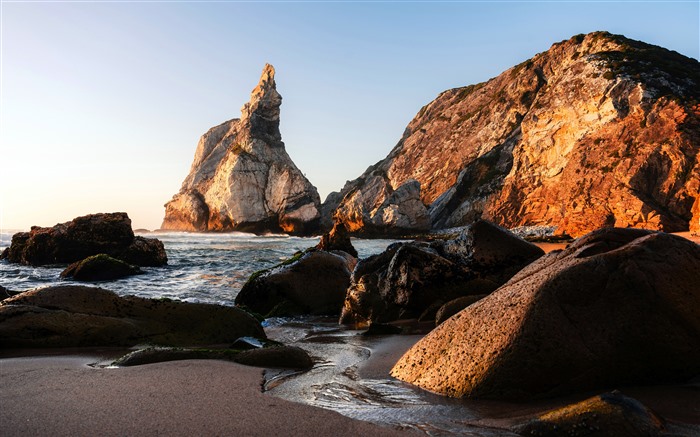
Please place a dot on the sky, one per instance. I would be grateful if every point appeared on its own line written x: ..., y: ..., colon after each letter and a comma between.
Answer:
x: 103, y: 102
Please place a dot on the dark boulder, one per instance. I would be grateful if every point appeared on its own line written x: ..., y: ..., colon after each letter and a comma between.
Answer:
x: 410, y: 278
x: 100, y: 268
x: 291, y: 357
x: 72, y: 316
x: 82, y: 237
x: 618, y: 306
x: 454, y: 306
x: 312, y: 282
x: 608, y: 414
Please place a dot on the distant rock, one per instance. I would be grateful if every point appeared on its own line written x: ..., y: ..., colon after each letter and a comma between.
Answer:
x: 76, y: 316
x: 608, y: 414
x: 82, y: 237
x: 312, y: 282
x: 409, y: 278
x: 597, y: 131
x: 100, y: 268
x: 617, y: 307
x: 242, y: 179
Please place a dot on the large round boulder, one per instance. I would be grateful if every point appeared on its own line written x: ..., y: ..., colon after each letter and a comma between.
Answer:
x: 618, y: 306
x: 82, y: 237
x: 313, y: 282
x: 72, y: 316
x: 409, y: 278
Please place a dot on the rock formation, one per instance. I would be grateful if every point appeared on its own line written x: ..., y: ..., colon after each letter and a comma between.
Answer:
x: 72, y: 316
x: 99, y: 268
x: 82, y: 237
x: 618, y: 306
x: 409, y: 279
x: 312, y: 282
x: 597, y: 131
x: 242, y: 178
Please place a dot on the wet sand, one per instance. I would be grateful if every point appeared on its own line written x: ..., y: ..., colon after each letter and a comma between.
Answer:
x: 63, y: 395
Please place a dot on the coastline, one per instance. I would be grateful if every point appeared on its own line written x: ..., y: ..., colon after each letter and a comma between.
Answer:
x: 64, y: 395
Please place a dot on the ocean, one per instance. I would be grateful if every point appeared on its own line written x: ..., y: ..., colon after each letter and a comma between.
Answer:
x: 204, y: 268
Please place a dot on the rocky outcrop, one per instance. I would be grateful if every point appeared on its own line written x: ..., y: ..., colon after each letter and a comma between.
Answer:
x: 82, y: 237
x: 74, y: 316
x: 242, y: 178
x: 597, y: 131
x: 337, y: 239
x: 408, y: 279
x: 618, y: 306
x: 312, y: 282
x: 99, y: 268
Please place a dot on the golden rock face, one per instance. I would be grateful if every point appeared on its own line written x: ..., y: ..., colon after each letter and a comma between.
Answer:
x: 597, y: 131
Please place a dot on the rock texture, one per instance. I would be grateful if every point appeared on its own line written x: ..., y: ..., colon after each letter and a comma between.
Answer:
x: 618, y: 306
x: 242, y: 178
x: 74, y: 316
x: 599, y: 130
x: 409, y: 279
x: 82, y: 237
x: 312, y: 282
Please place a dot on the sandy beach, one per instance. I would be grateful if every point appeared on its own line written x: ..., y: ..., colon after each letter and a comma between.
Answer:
x: 63, y: 395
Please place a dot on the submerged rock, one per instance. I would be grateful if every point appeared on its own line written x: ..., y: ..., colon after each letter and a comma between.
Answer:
x: 618, y: 306
x: 409, y: 278
x: 608, y: 414
x: 68, y: 316
x: 82, y: 237
x: 242, y: 178
x: 100, y: 268
x: 313, y: 282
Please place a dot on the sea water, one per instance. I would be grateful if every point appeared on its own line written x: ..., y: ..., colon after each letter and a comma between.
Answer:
x: 204, y: 268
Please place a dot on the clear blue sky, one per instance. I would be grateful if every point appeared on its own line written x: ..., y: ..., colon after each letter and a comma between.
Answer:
x: 103, y: 102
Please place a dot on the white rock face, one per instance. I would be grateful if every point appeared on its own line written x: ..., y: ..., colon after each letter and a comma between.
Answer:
x: 242, y: 178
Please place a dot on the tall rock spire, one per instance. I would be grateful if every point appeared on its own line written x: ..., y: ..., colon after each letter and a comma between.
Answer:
x: 242, y: 179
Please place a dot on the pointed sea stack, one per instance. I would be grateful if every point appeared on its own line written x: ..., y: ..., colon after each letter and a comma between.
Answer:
x: 242, y: 178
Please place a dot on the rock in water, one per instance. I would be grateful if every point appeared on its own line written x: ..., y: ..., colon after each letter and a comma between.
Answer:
x: 599, y: 130
x: 618, y: 306
x: 100, y: 268
x: 242, y: 178
x: 82, y: 237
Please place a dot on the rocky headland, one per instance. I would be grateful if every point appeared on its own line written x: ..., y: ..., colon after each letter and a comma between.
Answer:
x: 597, y: 131
x: 242, y: 178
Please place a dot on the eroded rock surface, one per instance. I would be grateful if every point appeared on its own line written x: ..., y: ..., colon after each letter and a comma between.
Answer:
x: 599, y: 130
x: 618, y: 306
x: 76, y: 316
x: 242, y: 178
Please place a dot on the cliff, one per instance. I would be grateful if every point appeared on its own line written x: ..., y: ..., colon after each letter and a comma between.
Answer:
x: 599, y: 130
x: 242, y: 178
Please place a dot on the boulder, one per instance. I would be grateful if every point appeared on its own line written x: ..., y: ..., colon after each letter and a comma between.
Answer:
x: 76, y: 316
x: 312, y: 282
x: 100, y: 268
x: 618, y: 306
x: 82, y: 237
x: 608, y: 414
x: 409, y: 278
x: 292, y: 357
x: 242, y: 178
